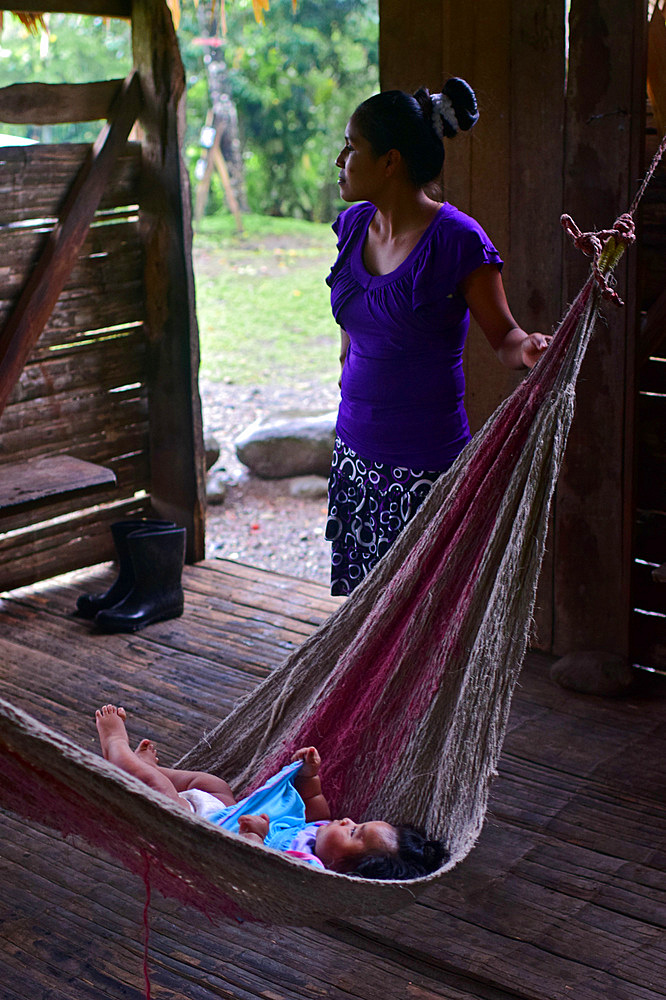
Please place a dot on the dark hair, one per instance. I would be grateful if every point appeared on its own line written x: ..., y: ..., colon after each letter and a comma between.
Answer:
x: 416, y: 856
x: 406, y: 122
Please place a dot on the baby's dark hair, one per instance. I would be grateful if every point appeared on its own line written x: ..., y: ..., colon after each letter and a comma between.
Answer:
x: 416, y: 856
x: 415, y: 124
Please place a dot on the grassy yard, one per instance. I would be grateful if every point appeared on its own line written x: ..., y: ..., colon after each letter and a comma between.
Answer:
x: 262, y: 301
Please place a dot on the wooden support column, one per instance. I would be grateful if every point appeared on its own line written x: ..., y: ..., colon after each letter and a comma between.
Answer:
x: 594, y: 504
x: 177, y: 456
x: 410, y: 51
x: 507, y: 172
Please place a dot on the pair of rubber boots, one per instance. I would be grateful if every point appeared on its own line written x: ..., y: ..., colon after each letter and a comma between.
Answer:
x: 148, y: 588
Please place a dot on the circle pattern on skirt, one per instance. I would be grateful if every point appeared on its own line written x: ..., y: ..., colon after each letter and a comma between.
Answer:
x: 369, y: 503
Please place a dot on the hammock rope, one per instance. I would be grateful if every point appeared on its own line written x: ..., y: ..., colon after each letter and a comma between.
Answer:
x: 409, y: 682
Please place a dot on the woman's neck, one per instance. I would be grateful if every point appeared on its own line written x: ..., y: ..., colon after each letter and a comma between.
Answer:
x: 394, y: 231
x: 402, y: 214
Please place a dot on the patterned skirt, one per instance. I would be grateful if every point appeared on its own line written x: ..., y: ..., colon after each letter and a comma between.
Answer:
x: 369, y: 503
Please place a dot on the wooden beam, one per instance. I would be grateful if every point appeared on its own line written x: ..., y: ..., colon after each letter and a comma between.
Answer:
x: 94, y: 8
x: 604, y: 142
x: 54, y: 103
x: 47, y: 280
x: 177, y: 487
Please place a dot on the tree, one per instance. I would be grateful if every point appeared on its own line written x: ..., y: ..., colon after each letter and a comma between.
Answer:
x: 294, y: 83
x: 60, y: 53
x: 282, y: 91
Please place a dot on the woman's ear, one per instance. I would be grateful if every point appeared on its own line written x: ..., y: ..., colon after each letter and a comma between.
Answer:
x: 393, y: 161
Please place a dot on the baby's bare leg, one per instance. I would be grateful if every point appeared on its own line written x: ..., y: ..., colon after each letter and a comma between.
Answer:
x: 184, y: 780
x: 110, y: 723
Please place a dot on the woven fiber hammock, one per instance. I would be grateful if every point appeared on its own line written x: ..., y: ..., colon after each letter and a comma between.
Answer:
x: 409, y: 682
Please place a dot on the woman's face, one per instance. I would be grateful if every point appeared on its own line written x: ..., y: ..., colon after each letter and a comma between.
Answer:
x: 361, y: 172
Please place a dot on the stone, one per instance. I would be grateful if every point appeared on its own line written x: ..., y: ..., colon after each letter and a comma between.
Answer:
x: 216, y: 488
x: 211, y: 450
x: 309, y: 487
x: 593, y: 672
x: 287, y: 444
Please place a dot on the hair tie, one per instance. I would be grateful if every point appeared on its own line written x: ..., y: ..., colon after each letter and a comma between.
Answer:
x: 442, y: 108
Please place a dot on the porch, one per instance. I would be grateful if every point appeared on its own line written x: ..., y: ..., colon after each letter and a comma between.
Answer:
x: 562, y: 897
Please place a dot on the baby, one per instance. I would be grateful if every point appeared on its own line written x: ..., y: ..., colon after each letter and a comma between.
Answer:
x: 294, y: 816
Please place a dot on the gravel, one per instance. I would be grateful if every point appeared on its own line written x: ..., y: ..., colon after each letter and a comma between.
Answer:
x: 260, y: 523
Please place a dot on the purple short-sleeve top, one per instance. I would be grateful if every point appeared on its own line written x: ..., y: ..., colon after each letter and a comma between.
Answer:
x: 402, y: 397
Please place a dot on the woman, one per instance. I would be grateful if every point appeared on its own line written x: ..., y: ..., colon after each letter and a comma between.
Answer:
x: 409, y: 272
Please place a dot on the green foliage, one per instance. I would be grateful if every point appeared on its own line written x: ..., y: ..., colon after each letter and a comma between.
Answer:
x: 76, y: 49
x: 294, y: 81
x: 262, y: 302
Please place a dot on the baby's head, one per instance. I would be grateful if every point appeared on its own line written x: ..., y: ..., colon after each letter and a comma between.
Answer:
x: 378, y: 850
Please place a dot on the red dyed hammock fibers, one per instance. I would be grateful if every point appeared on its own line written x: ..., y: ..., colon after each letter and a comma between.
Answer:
x: 409, y: 681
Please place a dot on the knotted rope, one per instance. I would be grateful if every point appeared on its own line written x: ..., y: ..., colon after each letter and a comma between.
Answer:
x: 606, y: 246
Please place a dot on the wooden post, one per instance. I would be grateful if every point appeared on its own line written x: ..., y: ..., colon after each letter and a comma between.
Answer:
x: 506, y: 173
x: 605, y: 128
x: 177, y: 456
x: 215, y: 161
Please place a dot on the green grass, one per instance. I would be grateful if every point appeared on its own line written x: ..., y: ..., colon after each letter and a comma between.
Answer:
x: 262, y: 301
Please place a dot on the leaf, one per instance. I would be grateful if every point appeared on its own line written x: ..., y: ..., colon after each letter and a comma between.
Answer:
x: 174, y: 7
x: 33, y: 22
x: 259, y: 6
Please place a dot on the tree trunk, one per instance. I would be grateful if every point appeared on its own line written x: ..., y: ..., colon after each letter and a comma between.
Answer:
x: 222, y: 105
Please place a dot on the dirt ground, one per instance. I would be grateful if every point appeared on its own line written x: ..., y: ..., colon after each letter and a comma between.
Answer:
x: 259, y: 522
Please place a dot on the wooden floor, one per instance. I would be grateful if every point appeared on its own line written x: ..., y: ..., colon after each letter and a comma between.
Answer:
x: 563, y: 897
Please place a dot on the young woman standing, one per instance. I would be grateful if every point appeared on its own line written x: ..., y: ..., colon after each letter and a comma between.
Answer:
x: 409, y: 272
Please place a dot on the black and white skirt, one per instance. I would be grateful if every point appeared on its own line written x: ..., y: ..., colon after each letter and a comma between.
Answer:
x: 369, y: 503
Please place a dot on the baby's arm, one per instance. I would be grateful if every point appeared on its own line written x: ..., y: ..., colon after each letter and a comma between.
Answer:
x: 308, y: 785
x: 253, y: 828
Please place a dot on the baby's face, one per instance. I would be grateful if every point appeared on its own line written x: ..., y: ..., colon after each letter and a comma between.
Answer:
x: 343, y: 842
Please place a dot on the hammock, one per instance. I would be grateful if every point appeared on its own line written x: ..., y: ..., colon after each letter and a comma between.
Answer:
x: 410, y: 681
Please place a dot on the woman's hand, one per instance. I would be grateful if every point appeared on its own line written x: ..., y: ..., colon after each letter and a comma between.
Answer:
x: 532, y: 347
x: 311, y: 761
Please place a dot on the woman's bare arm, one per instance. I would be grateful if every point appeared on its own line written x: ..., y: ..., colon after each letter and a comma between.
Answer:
x: 484, y: 293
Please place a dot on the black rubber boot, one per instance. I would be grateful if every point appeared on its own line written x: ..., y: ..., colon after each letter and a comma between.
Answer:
x: 88, y: 605
x: 157, y: 560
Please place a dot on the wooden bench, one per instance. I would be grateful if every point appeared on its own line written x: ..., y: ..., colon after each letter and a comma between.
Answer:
x: 26, y: 485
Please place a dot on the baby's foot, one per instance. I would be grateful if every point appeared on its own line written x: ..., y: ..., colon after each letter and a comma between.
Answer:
x: 110, y: 723
x: 146, y: 751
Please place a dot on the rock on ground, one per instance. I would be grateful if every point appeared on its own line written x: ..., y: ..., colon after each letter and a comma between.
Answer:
x: 260, y: 523
x: 288, y: 443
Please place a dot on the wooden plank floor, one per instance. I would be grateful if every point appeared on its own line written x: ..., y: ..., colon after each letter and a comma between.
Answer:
x: 563, y: 897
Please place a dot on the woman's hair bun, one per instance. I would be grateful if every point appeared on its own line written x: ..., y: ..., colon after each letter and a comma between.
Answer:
x: 454, y: 110
x: 463, y: 99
